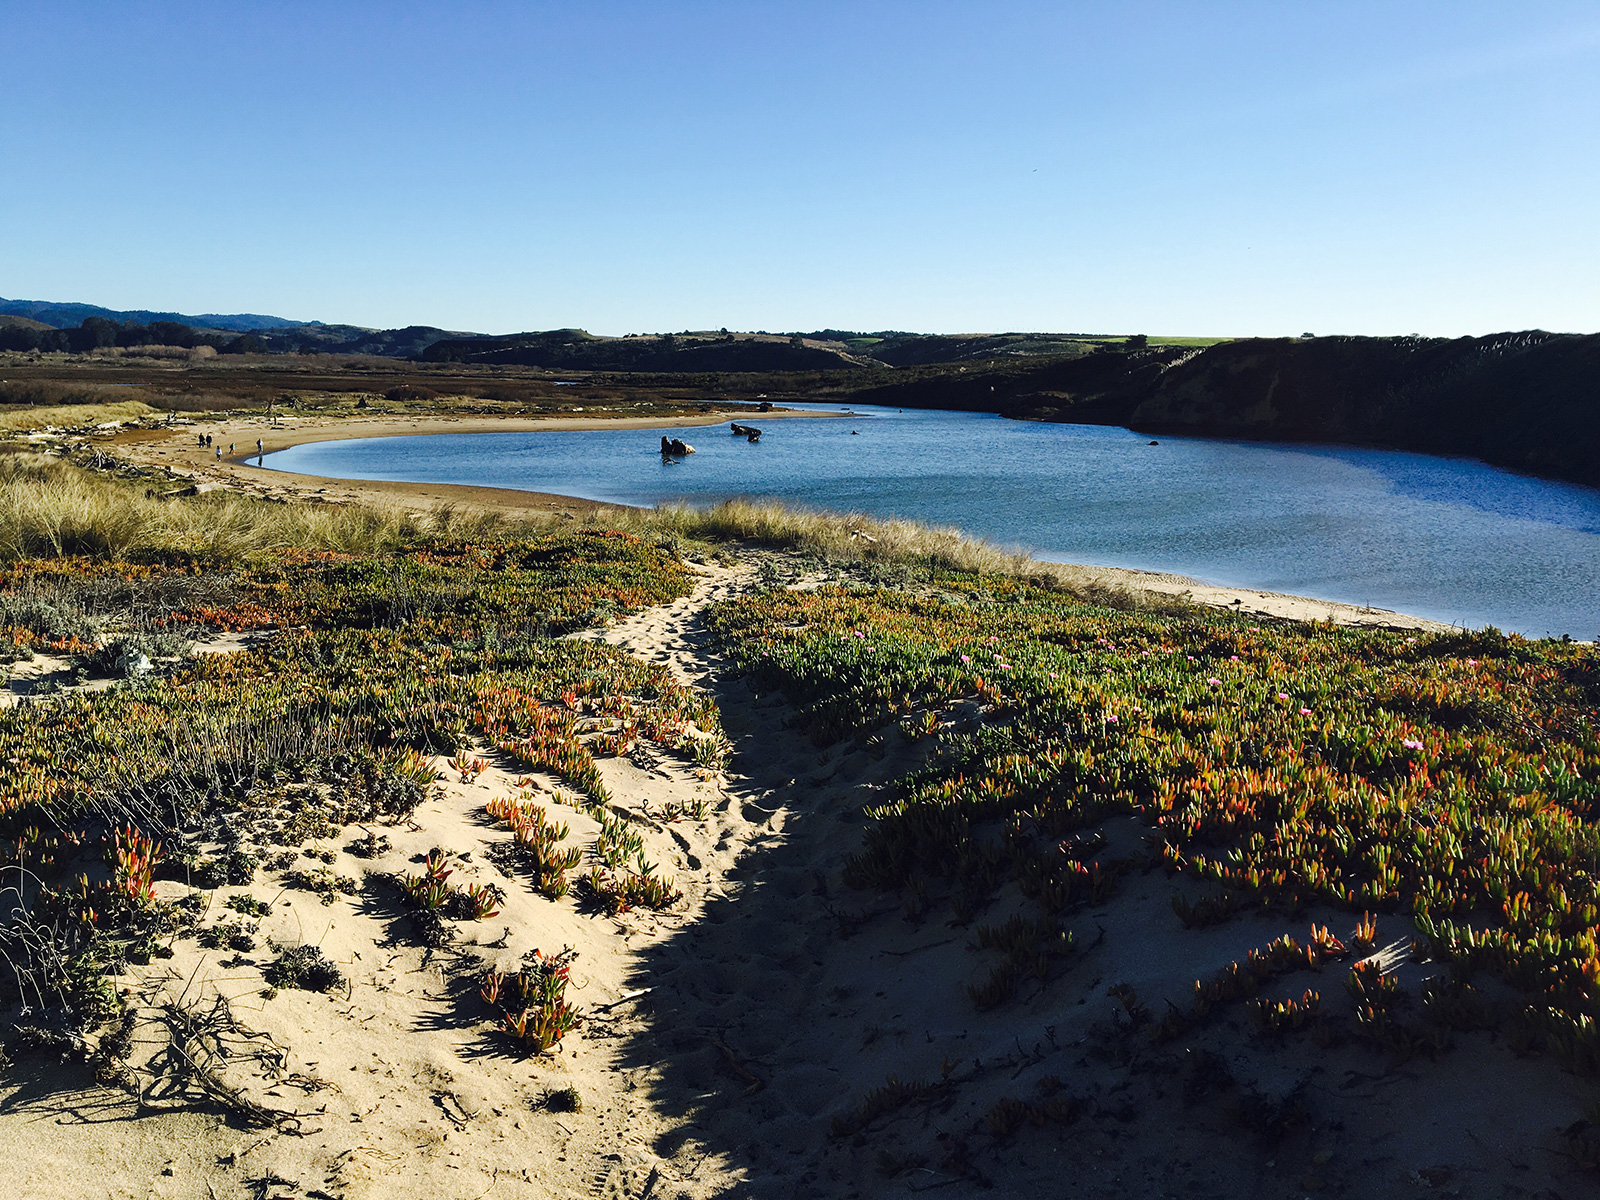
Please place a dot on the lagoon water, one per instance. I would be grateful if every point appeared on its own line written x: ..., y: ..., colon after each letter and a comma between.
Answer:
x: 1450, y: 539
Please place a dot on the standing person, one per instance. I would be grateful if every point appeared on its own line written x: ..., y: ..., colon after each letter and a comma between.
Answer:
x: 260, y: 451
x: 200, y: 439
x: 230, y: 449
x: 219, y: 453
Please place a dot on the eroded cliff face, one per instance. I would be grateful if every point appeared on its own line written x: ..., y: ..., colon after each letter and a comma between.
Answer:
x: 1528, y: 401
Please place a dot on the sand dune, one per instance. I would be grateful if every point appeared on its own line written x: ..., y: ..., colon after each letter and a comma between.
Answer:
x: 730, y: 1043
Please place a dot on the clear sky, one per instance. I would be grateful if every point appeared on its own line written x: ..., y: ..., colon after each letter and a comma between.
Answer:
x: 1194, y: 168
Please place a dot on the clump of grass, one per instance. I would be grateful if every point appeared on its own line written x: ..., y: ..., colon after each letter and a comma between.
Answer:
x: 65, y: 408
x: 565, y: 1099
x: 304, y: 967
x: 248, y: 906
x: 50, y: 509
x: 837, y: 536
x: 894, y: 1095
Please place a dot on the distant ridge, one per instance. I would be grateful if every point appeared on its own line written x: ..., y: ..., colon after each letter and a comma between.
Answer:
x: 69, y: 315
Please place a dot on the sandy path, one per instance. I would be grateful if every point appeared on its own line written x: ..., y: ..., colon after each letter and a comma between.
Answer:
x: 727, y: 1036
x: 397, y: 1085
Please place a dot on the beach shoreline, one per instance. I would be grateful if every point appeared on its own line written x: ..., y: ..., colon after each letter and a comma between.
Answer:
x: 174, y: 449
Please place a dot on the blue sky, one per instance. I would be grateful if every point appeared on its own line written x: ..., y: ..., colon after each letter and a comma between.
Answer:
x: 1202, y: 168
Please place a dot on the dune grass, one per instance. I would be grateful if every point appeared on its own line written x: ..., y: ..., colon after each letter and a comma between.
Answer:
x: 835, y: 536
x: 50, y: 508
x: 73, y: 416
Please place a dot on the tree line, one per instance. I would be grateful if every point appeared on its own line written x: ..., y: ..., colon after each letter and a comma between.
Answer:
x: 98, y: 333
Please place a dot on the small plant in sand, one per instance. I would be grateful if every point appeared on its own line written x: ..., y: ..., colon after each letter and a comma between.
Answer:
x: 431, y: 889
x: 303, y: 967
x: 133, y: 858
x: 532, y: 1002
x: 485, y: 900
x: 617, y: 891
x: 616, y: 843
x: 1028, y: 946
x: 536, y: 839
x: 412, y: 764
x: 1282, y: 1016
x: 1366, y: 934
x: 894, y: 1095
x: 565, y: 1099
x: 468, y: 768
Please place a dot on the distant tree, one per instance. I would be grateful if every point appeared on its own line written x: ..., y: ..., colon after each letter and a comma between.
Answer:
x: 21, y: 338
x: 245, y: 343
x: 172, y: 333
x: 1137, y: 341
x: 94, y: 333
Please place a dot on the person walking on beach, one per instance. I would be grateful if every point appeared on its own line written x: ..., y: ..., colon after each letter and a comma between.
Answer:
x: 259, y: 449
x: 230, y: 449
x: 219, y: 453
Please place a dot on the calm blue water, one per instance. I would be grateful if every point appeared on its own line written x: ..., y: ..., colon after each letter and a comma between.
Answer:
x: 1443, y: 538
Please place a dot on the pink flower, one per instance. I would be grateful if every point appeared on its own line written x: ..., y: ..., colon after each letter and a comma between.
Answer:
x: 1472, y: 662
x: 1233, y: 658
x: 1052, y: 675
x: 1305, y: 712
x: 966, y: 658
x: 1283, y: 695
x: 1409, y: 744
x: 1213, y: 681
x: 1112, y: 717
x: 860, y: 634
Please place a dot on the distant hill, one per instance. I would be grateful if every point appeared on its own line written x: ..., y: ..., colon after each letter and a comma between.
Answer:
x: 11, y: 321
x: 70, y: 315
x: 576, y: 350
x: 1529, y: 401
x: 409, y: 342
